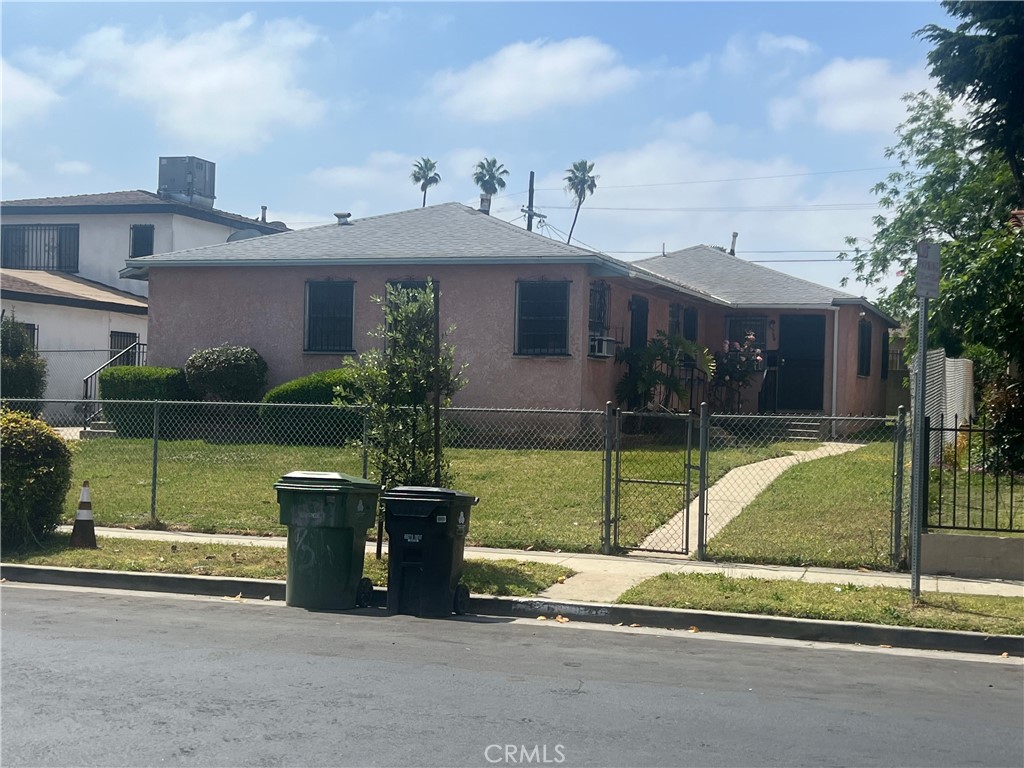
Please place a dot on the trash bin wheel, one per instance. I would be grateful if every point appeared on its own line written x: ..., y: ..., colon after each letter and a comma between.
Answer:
x: 364, y: 593
x: 461, y: 602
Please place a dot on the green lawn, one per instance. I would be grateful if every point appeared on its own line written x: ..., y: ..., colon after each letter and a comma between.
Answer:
x: 835, y: 602
x: 487, y: 577
x: 831, y: 512
x: 528, y: 498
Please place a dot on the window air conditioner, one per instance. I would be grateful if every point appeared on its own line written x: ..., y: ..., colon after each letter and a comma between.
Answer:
x: 602, y: 346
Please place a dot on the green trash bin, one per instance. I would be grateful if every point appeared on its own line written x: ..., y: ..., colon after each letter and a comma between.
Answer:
x: 327, y: 514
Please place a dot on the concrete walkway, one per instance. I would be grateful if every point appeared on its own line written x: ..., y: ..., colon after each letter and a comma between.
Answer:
x: 603, y: 578
x: 730, y: 495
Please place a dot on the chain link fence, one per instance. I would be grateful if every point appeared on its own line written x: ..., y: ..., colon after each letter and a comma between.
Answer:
x: 212, y: 466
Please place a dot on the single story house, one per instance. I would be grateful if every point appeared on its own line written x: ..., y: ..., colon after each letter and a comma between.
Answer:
x: 538, y: 321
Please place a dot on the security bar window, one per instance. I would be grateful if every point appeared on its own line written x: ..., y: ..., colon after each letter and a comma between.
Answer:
x: 864, y: 348
x: 329, y: 316
x: 142, y: 240
x: 542, y: 318
x: 39, y: 246
x: 598, y: 318
x: 119, y: 342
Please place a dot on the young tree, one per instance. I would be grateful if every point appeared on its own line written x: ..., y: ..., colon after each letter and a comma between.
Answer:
x: 580, y: 181
x: 983, y: 61
x: 399, y: 382
x: 962, y: 199
x: 424, y: 173
x: 24, y: 370
x: 489, y: 176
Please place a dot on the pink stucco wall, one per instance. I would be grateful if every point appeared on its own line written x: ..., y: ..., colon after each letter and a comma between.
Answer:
x: 264, y: 307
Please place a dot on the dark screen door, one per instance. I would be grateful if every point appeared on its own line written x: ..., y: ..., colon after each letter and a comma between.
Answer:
x: 802, y: 358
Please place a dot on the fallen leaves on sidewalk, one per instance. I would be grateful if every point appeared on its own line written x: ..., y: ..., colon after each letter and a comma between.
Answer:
x: 692, y: 629
x: 237, y: 597
x: 561, y: 619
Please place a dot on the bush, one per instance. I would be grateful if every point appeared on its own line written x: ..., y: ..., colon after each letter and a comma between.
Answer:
x: 36, y: 478
x: 131, y: 382
x: 23, y: 370
x: 312, y: 425
x: 1004, y: 415
x: 227, y: 374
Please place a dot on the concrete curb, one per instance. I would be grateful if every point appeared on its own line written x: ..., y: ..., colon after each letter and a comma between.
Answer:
x: 530, y: 608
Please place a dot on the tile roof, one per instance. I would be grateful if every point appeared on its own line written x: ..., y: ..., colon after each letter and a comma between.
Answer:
x: 739, y: 282
x: 449, y: 232
x: 60, y: 285
x: 134, y: 198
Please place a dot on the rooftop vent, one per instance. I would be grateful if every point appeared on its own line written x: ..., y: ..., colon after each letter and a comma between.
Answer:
x: 343, y: 218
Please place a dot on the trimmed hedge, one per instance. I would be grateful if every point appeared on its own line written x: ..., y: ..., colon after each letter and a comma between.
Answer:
x: 36, y: 477
x: 23, y: 370
x: 312, y: 426
x: 140, y: 382
x: 227, y: 373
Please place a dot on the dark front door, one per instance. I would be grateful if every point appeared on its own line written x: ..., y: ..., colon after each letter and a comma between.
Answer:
x: 801, y: 362
x: 638, y: 322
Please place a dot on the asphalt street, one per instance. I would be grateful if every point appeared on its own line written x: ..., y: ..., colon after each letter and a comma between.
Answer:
x: 119, y: 678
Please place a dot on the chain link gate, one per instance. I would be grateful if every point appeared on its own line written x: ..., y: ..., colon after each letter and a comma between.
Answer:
x: 655, y: 478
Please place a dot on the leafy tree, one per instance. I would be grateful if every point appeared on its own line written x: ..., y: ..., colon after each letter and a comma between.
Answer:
x: 983, y: 61
x: 654, y: 374
x: 23, y: 370
x: 424, y: 173
x: 945, y: 192
x: 397, y: 382
x: 580, y: 181
x: 489, y: 176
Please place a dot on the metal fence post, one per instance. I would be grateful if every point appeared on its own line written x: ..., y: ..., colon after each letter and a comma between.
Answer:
x: 702, y: 487
x: 897, y: 485
x: 153, y: 520
x: 609, y: 424
x: 366, y: 451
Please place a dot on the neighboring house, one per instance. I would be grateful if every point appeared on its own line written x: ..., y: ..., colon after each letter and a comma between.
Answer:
x: 91, y: 235
x: 76, y: 325
x: 57, y: 253
x: 538, y: 321
x: 825, y: 351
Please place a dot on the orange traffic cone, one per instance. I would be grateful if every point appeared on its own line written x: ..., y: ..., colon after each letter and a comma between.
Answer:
x: 83, y: 535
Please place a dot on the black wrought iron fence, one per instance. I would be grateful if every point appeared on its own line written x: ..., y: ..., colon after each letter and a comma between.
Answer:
x: 974, y: 481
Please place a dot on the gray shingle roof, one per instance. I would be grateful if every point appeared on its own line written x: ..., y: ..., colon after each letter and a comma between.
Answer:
x: 446, y: 233
x: 127, y: 202
x: 737, y: 281
x: 60, y: 287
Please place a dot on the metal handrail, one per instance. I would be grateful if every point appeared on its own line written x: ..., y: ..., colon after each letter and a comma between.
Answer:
x: 90, y: 388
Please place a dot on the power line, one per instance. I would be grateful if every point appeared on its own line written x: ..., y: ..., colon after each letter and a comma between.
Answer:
x: 823, y: 207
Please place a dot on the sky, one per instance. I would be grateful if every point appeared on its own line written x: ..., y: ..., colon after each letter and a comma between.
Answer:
x: 701, y: 118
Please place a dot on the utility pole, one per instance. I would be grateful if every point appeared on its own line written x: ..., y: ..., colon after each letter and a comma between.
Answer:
x: 528, y: 210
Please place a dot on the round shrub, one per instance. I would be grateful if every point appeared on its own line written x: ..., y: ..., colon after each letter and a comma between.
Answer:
x: 287, y: 423
x: 227, y: 374
x: 36, y: 478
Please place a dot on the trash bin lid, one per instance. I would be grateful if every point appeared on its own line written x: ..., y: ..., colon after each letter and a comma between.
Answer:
x: 325, y: 481
x: 428, y: 493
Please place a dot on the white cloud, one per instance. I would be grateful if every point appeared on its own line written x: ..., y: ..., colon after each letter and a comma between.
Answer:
x: 850, y: 95
x: 228, y: 87
x: 380, y: 167
x: 23, y: 96
x: 73, y: 168
x: 743, y: 55
x: 524, y: 78
x: 10, y: 170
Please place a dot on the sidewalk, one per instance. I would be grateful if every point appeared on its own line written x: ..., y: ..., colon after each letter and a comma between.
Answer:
x: 603, y: 578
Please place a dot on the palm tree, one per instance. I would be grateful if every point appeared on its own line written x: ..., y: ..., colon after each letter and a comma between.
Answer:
x: 488, y: 176
x: 581, y: 181
x: 424, y: 173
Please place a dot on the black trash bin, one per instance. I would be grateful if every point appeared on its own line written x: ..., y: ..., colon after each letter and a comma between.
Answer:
x: 327, y: 514
x: 426, y: 540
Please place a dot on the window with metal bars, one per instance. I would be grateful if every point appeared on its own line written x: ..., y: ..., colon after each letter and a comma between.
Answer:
x: 329, y: 316
x: 598, y: 317
x: 738, y: 328
x: 141, y: 240
x: 39, y: 246
x: 32, y: 332
x: 864, y: 348
x: 119, y: 342
x: 542, y: 318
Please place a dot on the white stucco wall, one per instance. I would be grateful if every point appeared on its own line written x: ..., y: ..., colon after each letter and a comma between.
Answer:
x: 104, y: 240
x: 74, y: 341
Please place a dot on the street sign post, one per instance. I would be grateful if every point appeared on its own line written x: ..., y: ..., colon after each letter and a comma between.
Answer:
x: 927, y: 288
